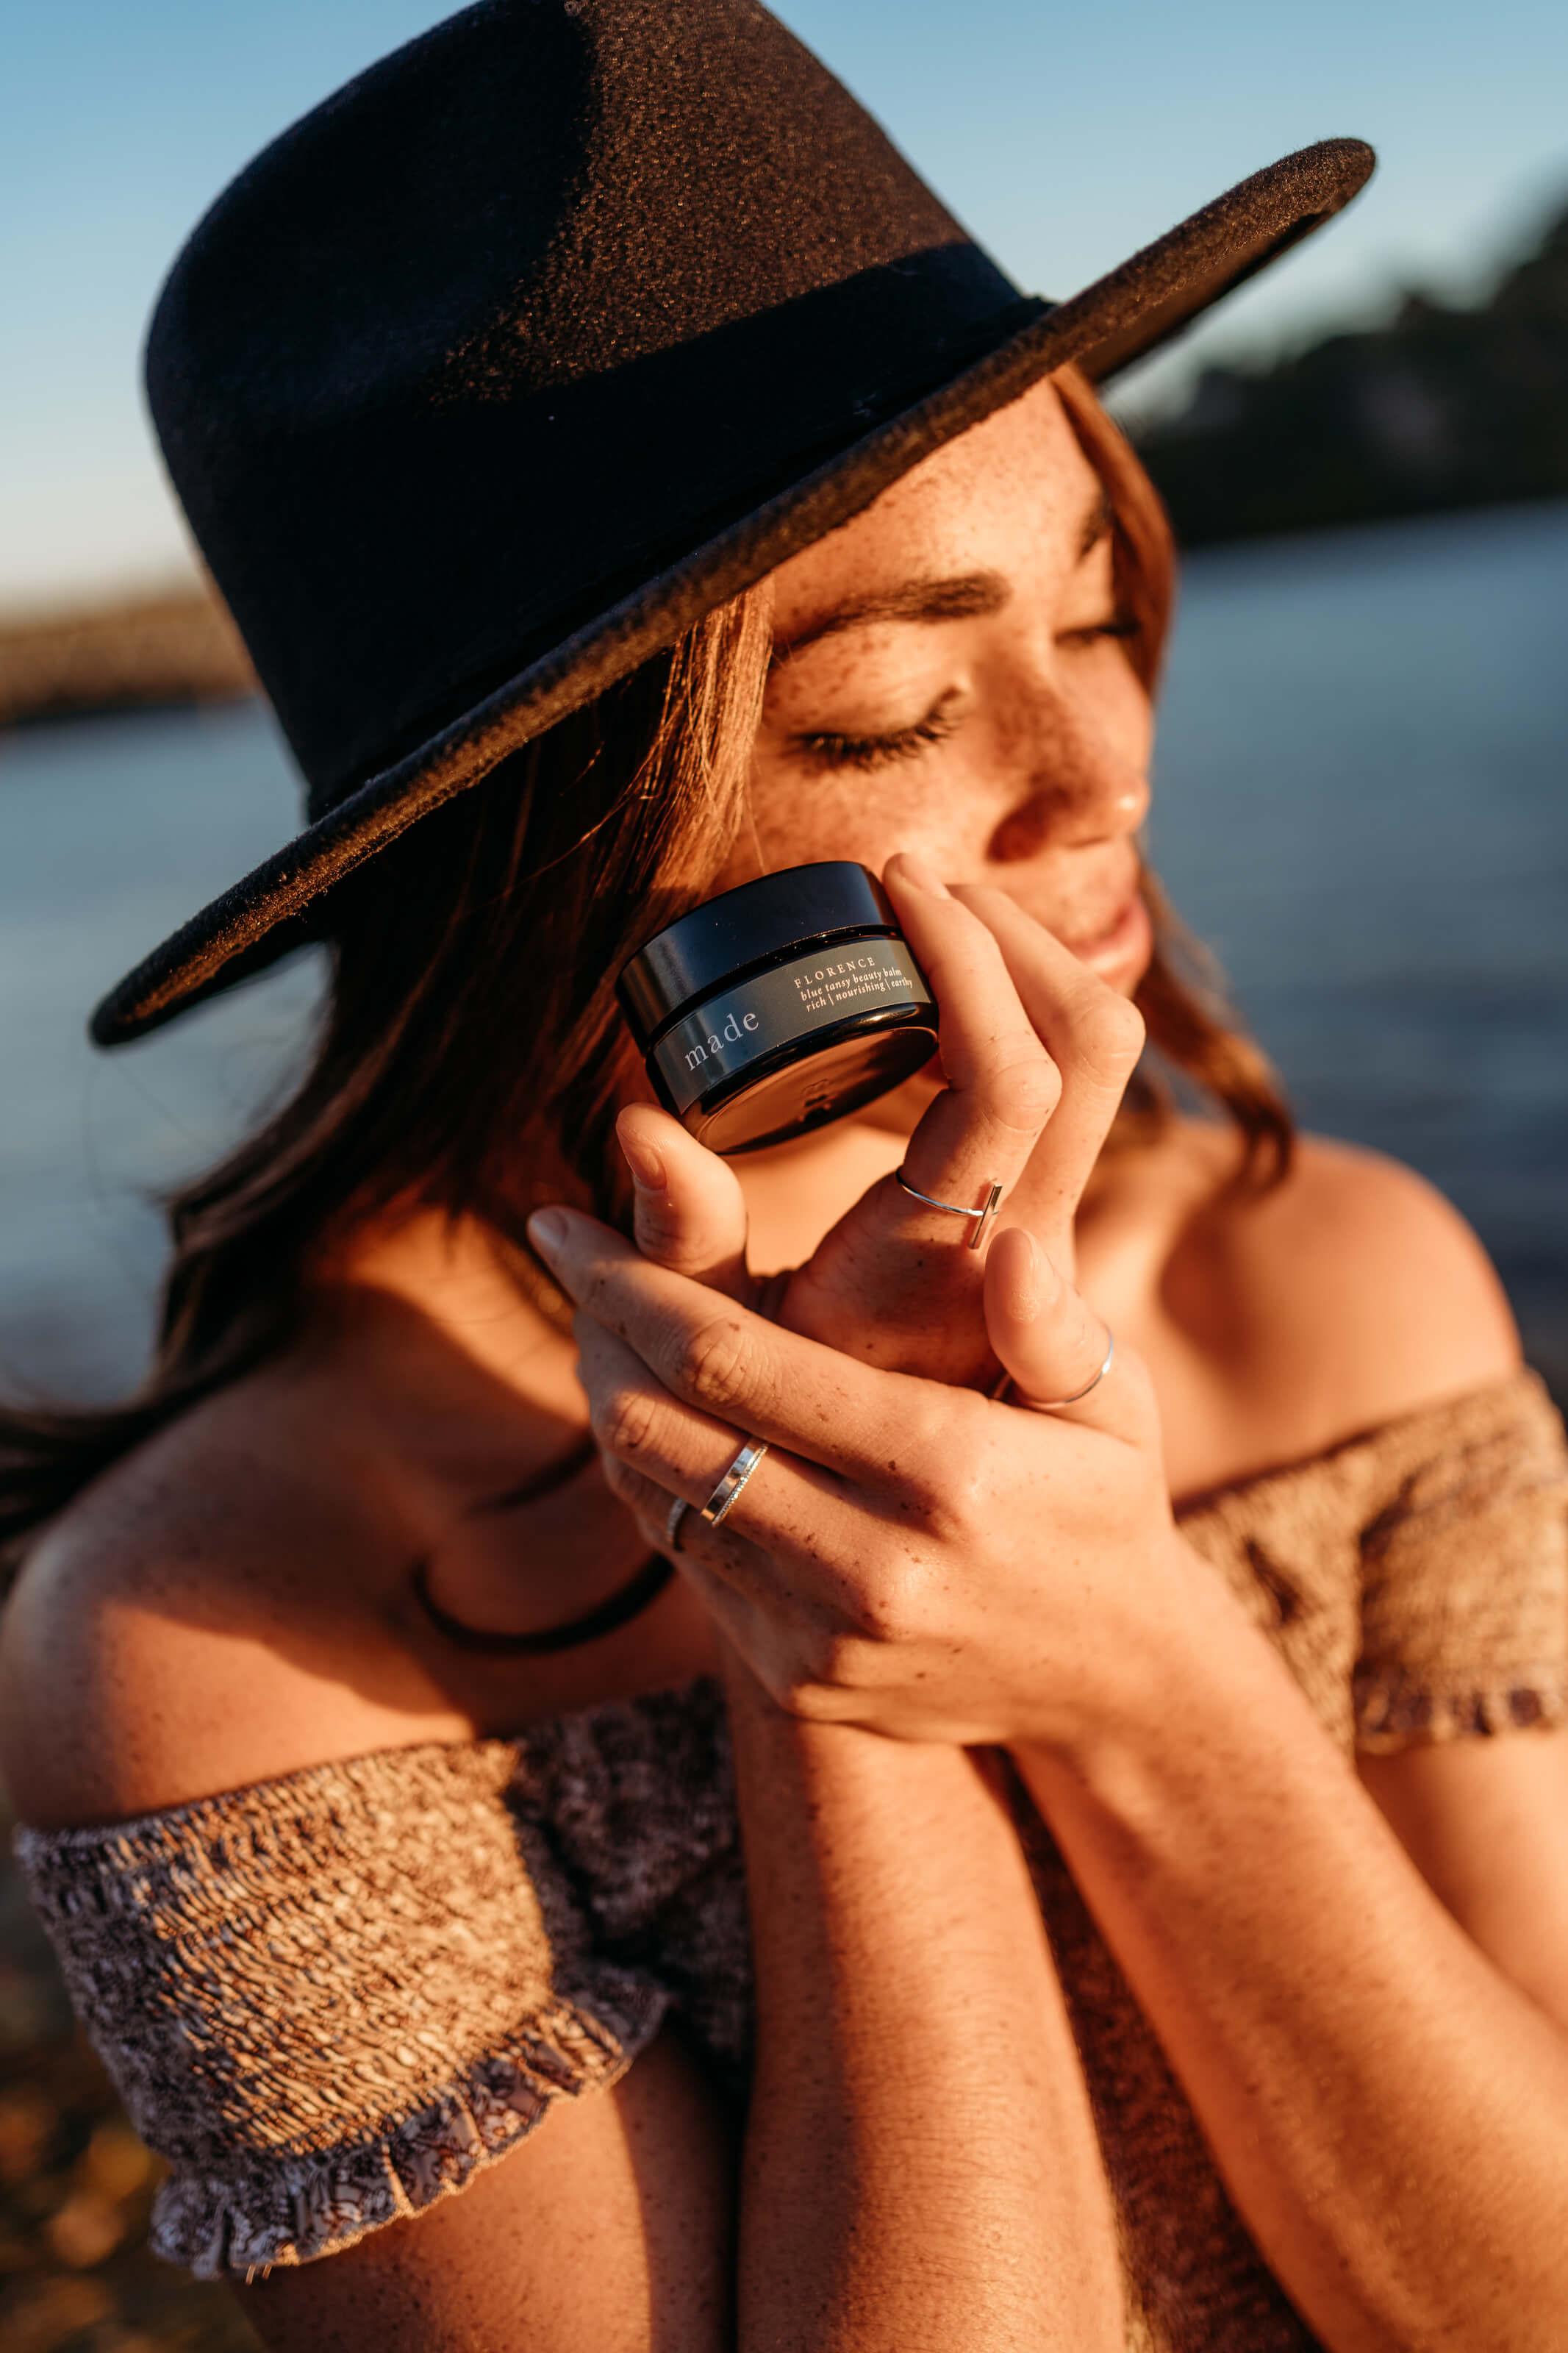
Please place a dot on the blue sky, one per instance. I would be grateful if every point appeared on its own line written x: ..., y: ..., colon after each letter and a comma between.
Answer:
x: 1063, y: 136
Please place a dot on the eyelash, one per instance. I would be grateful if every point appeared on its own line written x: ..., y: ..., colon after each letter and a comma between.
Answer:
x: 1120, y: 624
x: 864, y: 752
x: 874, y: 750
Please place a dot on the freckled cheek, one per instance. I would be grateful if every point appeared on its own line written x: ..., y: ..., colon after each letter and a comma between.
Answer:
x: 936, y: 806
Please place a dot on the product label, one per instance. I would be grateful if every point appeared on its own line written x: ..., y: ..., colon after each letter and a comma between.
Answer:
x: 775, y: 1009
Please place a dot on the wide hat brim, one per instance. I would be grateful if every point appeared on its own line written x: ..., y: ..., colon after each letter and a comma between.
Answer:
x: 1118, y: 319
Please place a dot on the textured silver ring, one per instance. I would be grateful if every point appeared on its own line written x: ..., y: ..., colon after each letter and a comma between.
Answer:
x: 734, y: 1479
x: 982, y: 1217
x: 672, y: 1520
x: 1055, y: 1405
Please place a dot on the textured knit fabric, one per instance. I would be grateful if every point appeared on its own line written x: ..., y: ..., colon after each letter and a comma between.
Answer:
x: 330, y: 1997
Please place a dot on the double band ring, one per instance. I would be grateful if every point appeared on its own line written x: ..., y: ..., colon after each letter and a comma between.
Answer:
x: 734, y: 1479
x: 722, y: 1497
x: 982, y: 1217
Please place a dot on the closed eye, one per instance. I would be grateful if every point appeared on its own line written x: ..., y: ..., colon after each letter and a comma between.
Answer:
x: 827, y: 750
x: 1120, y: 624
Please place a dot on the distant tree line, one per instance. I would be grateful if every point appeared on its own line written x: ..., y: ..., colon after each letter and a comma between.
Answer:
x: 1441, y: 408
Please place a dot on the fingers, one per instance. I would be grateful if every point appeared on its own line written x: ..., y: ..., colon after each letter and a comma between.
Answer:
x: 689, y: 1210
x: 730, y: 1363
x: 1094, y: 1035
x: 654, y: 1448
x: 1050, y: 1341
x: 1002, y: 1085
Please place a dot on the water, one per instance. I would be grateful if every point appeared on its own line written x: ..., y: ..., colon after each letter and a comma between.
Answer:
x: 1360, y: 803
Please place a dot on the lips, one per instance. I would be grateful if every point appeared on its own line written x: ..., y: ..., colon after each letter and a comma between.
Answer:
x: 1098, y: 912
x: 1087, y: 940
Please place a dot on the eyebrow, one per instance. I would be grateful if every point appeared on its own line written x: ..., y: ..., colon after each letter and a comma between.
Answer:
x: 963, y: 597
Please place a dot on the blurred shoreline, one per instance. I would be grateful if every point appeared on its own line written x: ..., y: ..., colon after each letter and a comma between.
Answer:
x: 152, y: 651
x: 1444, y: 409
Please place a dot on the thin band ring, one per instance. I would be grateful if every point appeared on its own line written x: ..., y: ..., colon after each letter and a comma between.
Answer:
x: 734, y: 1479
x: 982, y: 1215
x: 672, y: 1520
x: 1055, y: 1405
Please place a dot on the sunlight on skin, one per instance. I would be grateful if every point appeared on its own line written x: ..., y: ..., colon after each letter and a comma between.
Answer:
x: 1008, y: 745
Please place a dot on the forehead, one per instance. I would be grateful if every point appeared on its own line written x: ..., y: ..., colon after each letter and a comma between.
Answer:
x: 1016, y: 488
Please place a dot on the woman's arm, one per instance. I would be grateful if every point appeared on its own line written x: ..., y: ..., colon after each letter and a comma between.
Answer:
x: 920, y: 2171
x: 921, y: 2168
x: 1389, y: 2112
x: 1389, y: 2108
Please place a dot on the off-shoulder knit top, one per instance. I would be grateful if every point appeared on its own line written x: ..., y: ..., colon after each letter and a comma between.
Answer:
x: 330, y: 1998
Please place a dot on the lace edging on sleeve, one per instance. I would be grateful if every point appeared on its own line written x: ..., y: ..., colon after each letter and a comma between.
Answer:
x: 330, y: 1999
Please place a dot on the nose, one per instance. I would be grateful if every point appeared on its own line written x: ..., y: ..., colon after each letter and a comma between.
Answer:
x: 1079, y: 787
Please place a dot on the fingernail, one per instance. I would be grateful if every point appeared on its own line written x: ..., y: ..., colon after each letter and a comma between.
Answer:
x: 924, y: 877
x: 645, y: 1162
x: 547, y: 1230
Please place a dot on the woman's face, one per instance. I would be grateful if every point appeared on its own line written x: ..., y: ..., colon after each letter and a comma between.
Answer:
x: 949, y: 677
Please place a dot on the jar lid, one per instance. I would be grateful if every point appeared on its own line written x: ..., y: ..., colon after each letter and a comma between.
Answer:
x: 727, y: 933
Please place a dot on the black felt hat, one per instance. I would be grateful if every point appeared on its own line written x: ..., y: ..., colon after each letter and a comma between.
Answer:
x: 544, y: 336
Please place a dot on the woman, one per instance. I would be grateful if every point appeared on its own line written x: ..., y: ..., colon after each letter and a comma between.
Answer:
x: 386, y: 1795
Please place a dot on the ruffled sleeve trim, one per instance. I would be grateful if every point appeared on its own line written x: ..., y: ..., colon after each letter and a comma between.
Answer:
x: 241, y: 2222
x: 1397, y: 1709
x: 1464, y: 1572
x: 330, y: 1999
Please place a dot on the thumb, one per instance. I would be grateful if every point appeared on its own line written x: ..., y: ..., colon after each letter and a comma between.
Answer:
x: 1050, y: 1341
x: 689, y: 1213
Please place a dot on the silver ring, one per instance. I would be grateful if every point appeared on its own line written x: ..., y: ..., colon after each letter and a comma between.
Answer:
x: 672, y: 1520
x: 734, y: 1479
x: 1055, y: 1405
x: 982, y: 1215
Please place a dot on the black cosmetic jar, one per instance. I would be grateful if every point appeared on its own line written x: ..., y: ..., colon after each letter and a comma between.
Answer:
x: 779, y: 1006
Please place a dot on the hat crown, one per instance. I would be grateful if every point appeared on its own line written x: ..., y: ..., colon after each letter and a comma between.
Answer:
x: 550, y: 293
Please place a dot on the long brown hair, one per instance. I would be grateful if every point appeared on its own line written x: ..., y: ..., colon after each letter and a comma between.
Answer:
x: 471, y: 1058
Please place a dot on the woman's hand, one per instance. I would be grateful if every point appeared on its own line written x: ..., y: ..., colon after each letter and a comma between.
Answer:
x: 1037, y: 1052
x: 908, y: 1556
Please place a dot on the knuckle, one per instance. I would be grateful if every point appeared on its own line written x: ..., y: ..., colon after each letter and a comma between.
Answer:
x: 884, y: 1613
x: 657, y: 1223
x: 938, y: 1442
x: 1023, y: 1093
x: 1108, y: 1033
x: 665, y: 1234
x: 621, y: 1480
x: 624, y: 1424
x: 962, y: 1489
x: 830, y: 1655
x: 799, y: 1695
x: 713, y: 1361
x: 923, y: 1445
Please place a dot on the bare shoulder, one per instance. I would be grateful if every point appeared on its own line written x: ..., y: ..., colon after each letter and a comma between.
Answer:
x: 203, y: 1617
x: 1349, y: 1294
